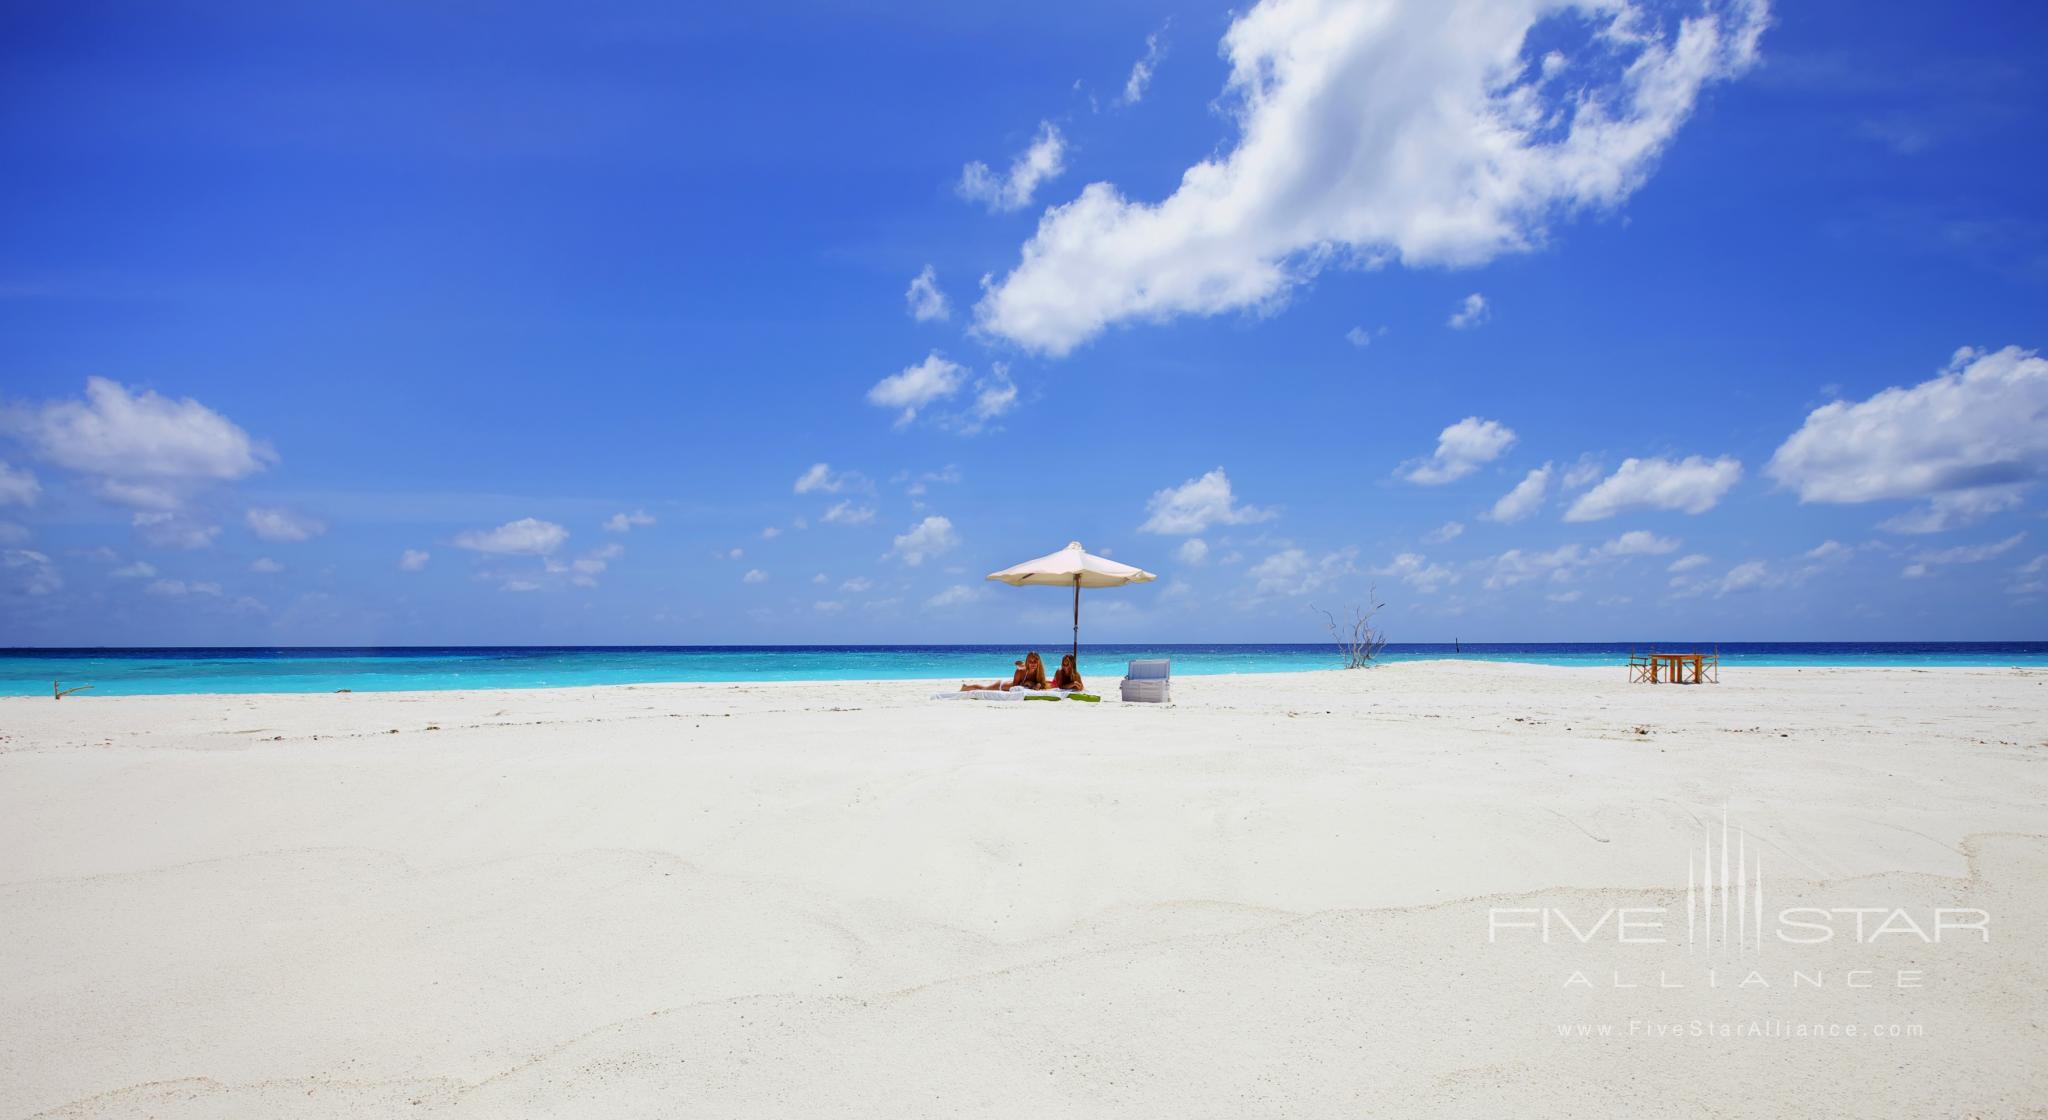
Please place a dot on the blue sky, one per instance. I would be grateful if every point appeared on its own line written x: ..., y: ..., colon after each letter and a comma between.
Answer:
x: 410, y: 324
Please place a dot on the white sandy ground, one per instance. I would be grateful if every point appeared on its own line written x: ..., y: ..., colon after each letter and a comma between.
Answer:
x: 1271, y: 898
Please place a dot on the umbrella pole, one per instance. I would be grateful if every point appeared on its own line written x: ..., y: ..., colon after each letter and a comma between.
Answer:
x: 1077, y: 620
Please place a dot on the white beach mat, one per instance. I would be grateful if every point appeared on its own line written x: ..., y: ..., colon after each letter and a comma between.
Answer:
x: 1018, y: 692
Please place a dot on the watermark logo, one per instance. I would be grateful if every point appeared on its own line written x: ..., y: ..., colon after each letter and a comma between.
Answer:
x: 1725, y: 912
x: 1712, y: 892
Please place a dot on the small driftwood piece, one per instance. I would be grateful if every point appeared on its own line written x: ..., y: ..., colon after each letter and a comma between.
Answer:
x: 59, y: 692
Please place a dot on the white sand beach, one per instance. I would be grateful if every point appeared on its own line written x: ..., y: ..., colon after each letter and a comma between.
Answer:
x: 1296, y: 895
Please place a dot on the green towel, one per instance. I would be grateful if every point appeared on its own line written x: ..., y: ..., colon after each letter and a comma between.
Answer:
x: 1086, y: 698
x: 1054, y: 699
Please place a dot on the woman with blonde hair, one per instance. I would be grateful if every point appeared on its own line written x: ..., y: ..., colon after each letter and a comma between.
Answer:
x: 1030, y: 674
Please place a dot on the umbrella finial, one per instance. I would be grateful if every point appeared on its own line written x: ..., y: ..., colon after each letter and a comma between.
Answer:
x: 1075, y: 546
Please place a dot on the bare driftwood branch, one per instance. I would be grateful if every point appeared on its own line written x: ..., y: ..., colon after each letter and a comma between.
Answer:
x: 1358, y: 639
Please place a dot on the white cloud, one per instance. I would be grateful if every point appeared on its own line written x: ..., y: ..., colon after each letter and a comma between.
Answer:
x: 1571, y: 596
x: 857, y: 585
x: 846, y: 513
x: 140, y: 569
x: 1583, y: 473
x: 519, y: 585
x: 1690, y: 562
x: 754, y: 575
x: 1747, y: 576
x: 1566, y: 562
x: 142, y: 449
x: 1141, y: 70
x: 584, y: 570
x: 771, y: 532
x: 1640, y: 542
x: 525, y: 537
x: 957, y: 595
x: 1943, y: 512
x: 413, y: 560
x: 18, y: 487
x: 1198, y: 503
x: 924, y: 300
x: 926, y: 539
x: 1925, y: 562
x: 917, y: 386
x: 175, y: 588
x: 1359, y: 337
x: 1045, y: 159
x: 1692, y: 485
x: 32, y: 570
x: 1293, y: 571
x: 1968, y: 439
x: 1193, y: 551
x: 828, y: 606
x: 639, y: 518
x: 1461, y: 449
x: 1525, y: 499
x: 1470, y: 313
x: 821, y: 479
x: 1448, y: 531
x: 994, y: 395
x: 818, y: 477
x: 948, y: 475
x: 282, y: 525
x: 264, y: 565
x: 1516, y: 566
x: 1415, y: 570
x: 1417, y: 132
x: 171, y: 530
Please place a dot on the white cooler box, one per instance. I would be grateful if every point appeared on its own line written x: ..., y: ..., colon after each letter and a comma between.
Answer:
x: 1148, y: 682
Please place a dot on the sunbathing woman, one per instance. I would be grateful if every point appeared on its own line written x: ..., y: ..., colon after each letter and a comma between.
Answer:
x: 1069, y: 675
x: 1030, y: 674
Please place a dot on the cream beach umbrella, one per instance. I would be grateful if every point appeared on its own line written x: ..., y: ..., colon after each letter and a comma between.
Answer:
x: 1075, y: 568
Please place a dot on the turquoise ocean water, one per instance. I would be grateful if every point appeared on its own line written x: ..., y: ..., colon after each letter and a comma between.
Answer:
x: 138, y: 672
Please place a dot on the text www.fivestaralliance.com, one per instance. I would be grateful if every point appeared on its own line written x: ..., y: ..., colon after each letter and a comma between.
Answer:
x: 1736, y: 1030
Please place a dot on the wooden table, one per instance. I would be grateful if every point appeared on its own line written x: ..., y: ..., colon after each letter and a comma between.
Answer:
x: 1670, y: 668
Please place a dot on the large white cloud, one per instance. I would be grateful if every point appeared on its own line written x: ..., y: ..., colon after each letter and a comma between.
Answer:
x: 1461, y: 449
x: 1431, y: 132
x: 140, y: 448
x: 1198, y: 503
x: 1689, y: 485
x: 1968, y: 440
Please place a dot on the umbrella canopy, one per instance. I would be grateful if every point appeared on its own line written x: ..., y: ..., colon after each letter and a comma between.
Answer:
x: 1072, y: 567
